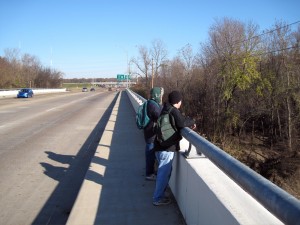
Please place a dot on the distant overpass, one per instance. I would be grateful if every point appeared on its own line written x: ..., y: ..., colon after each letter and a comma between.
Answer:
x: 114, y: 84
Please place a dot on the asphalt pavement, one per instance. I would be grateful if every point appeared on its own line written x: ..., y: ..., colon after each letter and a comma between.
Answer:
x: 115, y: 190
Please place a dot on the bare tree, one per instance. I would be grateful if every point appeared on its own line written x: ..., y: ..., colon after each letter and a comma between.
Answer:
x: 5, y: 73
x: 229, y: 57
x: 143, y: 63
x: 159, y: 56
x: 187, y: 58
x: 282, y: 71
x: 26, y: 71
x: 30, y: 69
x: 150, y: 61
x: 13, y: 57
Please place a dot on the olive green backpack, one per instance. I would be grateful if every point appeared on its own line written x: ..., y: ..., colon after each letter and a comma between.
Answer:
x: 166, y: 131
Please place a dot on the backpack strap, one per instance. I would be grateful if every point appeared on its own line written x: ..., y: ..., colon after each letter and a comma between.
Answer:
x: 172, y: 120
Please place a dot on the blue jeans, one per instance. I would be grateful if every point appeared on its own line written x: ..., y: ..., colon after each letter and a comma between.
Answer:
x: 165, y: 160
x: 150, y: 159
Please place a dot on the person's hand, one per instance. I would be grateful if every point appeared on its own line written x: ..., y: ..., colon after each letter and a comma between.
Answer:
x: 193, y: 127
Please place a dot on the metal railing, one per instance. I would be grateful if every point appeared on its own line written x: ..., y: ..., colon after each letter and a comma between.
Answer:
x: 280, y: 203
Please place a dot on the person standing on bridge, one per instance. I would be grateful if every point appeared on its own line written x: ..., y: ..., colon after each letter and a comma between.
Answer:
x: 153, y: 111
x: 165, y: 154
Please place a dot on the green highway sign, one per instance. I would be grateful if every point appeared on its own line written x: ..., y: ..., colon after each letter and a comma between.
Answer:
x: 123, y: 77
x: 120, y: 77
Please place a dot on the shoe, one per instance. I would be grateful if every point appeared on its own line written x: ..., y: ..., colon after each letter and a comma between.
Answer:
x: 163, y: 201
x: 151, y: 177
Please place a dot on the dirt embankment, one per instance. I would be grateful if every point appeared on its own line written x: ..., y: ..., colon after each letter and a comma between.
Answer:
x: 277, y: 165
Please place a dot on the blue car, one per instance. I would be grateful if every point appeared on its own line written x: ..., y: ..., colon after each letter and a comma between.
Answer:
x: 25, y: 93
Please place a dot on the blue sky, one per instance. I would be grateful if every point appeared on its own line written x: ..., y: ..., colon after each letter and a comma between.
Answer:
x: 95, y: 38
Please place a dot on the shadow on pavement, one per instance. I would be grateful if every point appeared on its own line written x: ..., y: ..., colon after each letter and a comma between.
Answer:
x: 126, y: 197
x: 58, y: 206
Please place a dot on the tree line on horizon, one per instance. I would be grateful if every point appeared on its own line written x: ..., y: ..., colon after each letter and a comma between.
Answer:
x: 88, y: 80
x: 20, y: 71
x: 26, y: 71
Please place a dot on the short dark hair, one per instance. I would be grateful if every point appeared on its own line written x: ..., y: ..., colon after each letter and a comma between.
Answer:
x: 174, y: 97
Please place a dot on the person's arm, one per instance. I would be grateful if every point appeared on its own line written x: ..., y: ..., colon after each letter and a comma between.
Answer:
x: 182, y: 121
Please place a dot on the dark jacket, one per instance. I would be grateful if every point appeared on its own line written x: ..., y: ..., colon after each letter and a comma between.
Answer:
x: 153, y: 110
x: 180, y: 122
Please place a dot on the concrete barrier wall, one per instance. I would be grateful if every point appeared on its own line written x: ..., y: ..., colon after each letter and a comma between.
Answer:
x: 13, y: 93
x: 205, y: 194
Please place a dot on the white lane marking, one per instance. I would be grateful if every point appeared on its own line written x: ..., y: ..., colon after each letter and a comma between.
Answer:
x: 70, y: 103
x: 20, y: 120
x: 52, y: 109
x: 7, y: 112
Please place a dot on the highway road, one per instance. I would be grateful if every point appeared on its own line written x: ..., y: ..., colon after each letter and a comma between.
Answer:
x: 46, y: 144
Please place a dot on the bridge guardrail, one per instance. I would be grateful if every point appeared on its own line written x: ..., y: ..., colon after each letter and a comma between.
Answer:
x: 280, y: 203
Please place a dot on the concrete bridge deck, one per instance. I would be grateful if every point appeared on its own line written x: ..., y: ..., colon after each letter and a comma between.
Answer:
x: 115, y: 190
